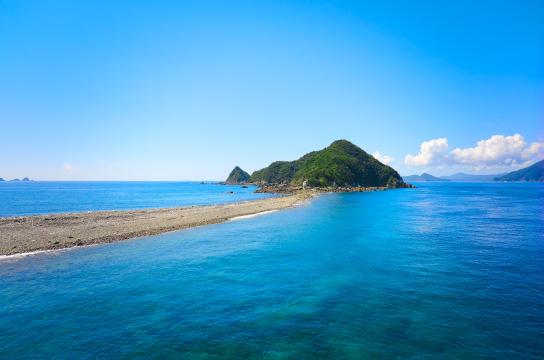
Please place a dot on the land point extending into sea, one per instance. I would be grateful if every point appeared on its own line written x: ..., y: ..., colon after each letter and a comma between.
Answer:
x: 29, y: 234
x: 340, y: 167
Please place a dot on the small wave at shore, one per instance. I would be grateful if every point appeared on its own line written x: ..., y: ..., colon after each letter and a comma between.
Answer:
x: 23, y: 255
x: 241, y: 217
x: 30, y: 253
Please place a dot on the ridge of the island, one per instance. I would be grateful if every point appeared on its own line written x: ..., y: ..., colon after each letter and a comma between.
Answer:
x: 531, y: 173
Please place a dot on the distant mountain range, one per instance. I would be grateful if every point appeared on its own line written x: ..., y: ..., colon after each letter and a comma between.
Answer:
x: 462, y: 177
x: 534, y: 172
x: 422, y: 177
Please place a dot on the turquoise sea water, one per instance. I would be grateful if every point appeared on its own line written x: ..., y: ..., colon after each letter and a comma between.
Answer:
x: 46, y: 197
x: 445, y: 271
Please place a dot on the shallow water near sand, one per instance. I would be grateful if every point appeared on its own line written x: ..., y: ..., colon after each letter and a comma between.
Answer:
x: 442, y: 271
x: 48, y: 197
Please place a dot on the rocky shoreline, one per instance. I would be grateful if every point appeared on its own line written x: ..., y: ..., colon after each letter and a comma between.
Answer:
x: 292, y: 189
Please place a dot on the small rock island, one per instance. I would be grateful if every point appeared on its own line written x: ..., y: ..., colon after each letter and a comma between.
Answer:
x: 237, y: 176
x: 18, y: 180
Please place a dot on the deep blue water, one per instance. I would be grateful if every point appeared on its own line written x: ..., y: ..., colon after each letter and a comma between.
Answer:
x: 46, y: 197
x: 445, y: 271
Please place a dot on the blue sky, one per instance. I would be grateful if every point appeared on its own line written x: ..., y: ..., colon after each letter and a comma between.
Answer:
x: 181, y: 90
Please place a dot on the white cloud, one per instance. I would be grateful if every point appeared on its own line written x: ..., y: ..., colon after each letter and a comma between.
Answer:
x: 498, y: 150
x: 67, y: 167
x: 384, y: 159
x: 534, y: 152
x: 432, y: 152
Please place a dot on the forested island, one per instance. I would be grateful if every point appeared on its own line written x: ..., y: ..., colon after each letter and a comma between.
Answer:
x: 342, y: 166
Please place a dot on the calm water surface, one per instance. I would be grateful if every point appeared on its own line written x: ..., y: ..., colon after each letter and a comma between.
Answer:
x: 445, y: 271
x: 46, y: 197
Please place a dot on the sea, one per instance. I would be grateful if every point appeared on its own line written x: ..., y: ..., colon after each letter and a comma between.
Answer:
x: 52, y: 197
x: 443, y: 271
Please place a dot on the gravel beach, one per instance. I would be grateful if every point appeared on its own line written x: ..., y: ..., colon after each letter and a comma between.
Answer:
x: 48, y: 232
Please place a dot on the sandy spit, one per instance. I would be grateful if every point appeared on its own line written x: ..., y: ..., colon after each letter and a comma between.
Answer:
x: 59, y: 231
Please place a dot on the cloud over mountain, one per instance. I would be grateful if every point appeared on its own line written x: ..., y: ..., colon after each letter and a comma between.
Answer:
x: 497, y: 151
x: 432, y: 152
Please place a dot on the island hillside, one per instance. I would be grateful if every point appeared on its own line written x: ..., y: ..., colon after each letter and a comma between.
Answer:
x: 237, y: 176
x: 534, y: 172
x: 341, y: 164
